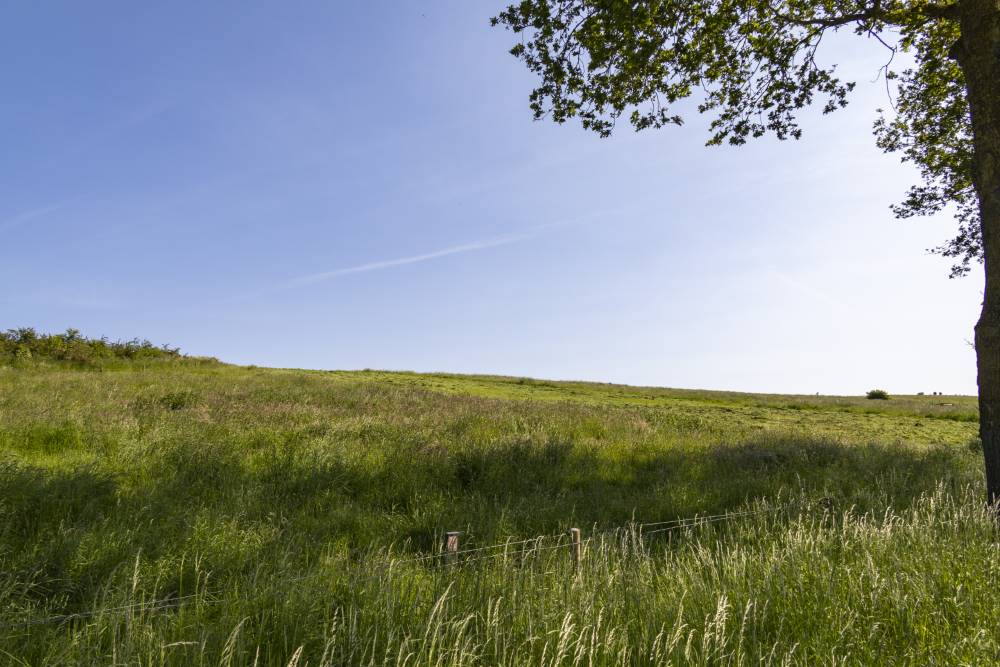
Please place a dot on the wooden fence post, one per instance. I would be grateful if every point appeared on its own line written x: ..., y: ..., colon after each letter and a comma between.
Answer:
x: 451, y: 546
x: 575, y: 550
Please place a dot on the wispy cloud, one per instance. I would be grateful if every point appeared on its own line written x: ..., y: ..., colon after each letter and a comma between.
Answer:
x: 25, y: 217
x: 412, y: 259
x: 474, y: 246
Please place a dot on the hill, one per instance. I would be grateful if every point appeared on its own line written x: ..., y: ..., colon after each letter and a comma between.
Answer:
x: 192, y: 512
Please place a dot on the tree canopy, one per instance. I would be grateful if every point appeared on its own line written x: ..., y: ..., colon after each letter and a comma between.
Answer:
x: 753, y: 65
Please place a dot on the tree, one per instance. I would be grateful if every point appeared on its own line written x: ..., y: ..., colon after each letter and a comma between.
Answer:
x: 753, y: 63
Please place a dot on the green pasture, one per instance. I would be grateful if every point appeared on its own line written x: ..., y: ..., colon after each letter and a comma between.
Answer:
x: 177, y: 511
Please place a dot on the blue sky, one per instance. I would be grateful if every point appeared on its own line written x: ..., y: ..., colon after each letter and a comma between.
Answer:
x: 323, y: 185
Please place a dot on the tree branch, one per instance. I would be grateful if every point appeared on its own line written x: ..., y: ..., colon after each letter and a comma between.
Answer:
x: 949, y: 12
x: 823, y: 22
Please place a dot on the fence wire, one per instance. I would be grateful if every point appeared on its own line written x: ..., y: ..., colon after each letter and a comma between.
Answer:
x: 447, y: 560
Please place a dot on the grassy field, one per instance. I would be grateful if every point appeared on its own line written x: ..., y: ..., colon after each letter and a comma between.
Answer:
x: 281, y: 513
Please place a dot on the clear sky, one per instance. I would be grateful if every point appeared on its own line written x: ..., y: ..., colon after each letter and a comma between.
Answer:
x: 360, y: 185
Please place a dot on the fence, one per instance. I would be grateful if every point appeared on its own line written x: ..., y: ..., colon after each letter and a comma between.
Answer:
x: 452, y: 556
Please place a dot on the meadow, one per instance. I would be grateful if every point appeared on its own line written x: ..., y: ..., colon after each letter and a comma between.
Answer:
x: 162, y: 510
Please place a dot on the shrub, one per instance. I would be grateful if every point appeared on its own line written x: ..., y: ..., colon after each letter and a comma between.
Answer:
x: 878, y: 395
x: 71, y: 347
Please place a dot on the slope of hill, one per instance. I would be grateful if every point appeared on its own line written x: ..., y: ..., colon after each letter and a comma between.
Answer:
x: 191, y: 512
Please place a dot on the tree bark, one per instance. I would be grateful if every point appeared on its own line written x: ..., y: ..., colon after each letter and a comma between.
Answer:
x: 978, y: 53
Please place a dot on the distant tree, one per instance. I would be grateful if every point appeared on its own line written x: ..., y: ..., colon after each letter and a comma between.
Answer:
x: 753, y: 65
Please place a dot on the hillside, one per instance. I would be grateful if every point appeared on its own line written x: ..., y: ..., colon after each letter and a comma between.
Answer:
x: 192, y: 512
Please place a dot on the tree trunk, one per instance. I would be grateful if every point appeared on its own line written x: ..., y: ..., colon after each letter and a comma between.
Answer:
x: 978, y: 53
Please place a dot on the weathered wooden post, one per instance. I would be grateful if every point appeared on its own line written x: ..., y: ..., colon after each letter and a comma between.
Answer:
x: 451, y: 547
x: 575, y: 550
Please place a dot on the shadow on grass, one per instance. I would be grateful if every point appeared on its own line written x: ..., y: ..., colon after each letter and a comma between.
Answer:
x: 292, y: 502
x: 523, y: 489
x: 526, y: 487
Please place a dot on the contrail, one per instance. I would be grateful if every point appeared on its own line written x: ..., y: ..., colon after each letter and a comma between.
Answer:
x: 25, y: 217
x: 413, y: 259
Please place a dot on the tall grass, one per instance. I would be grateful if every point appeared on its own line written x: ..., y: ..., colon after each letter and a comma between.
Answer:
x: 212, y: 515
x: 913, y: 587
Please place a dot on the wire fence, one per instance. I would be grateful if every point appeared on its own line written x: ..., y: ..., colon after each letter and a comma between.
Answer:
x: 444, y: 560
